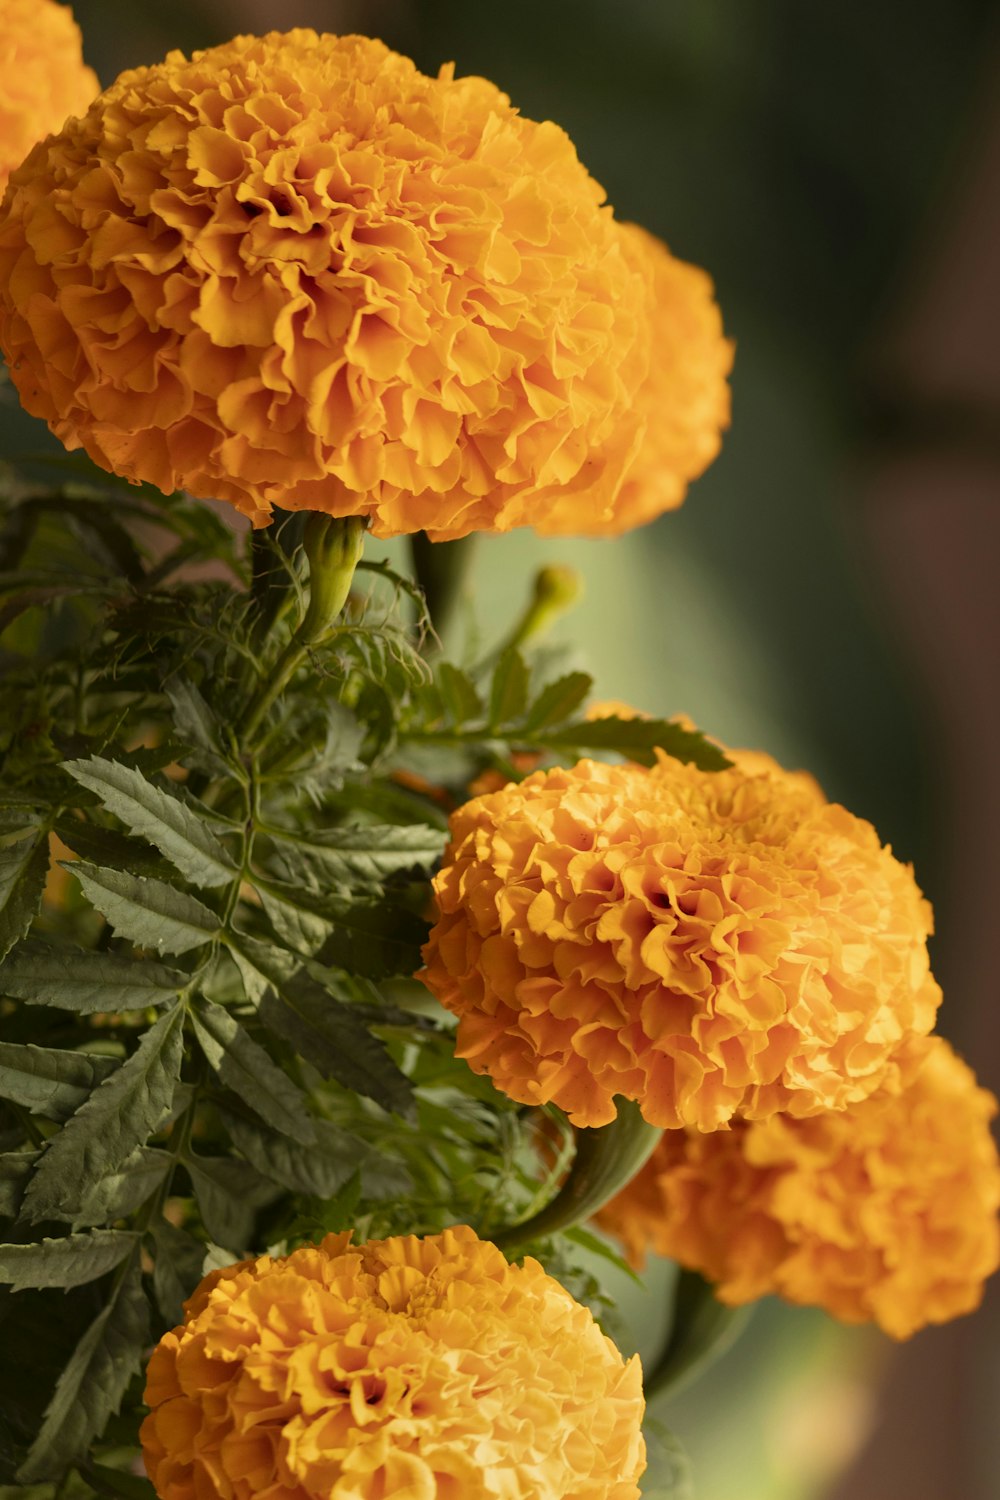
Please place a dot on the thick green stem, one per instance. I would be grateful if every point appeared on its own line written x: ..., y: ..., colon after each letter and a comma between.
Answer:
x: 441, y: 569
x: 702, y: 1329
x: 606, y: 1159
x: 333, y: 545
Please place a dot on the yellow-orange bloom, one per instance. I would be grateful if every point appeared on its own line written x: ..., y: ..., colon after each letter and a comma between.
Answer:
x: 427, y: 1369
x: 685, y: 398
x: 886, y: 1212
x: 44, y: 76
x: 704, y: 943
x: 295, y: 271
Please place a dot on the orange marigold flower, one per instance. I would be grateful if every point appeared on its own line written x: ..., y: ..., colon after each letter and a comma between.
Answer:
x: 405, y: 1367
x: 685, y: 399
x: 886, y: 1212
x: 295, y: 271
x: 703, y: 943
x: 44, y: 76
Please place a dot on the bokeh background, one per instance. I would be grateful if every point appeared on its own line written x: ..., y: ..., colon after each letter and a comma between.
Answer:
x: 829, y: 591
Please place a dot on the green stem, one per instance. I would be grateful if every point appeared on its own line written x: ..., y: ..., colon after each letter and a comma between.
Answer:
x: 606, y: 1159
x: 556, y: 590
x: 441, y: 569
x: 333, y: 545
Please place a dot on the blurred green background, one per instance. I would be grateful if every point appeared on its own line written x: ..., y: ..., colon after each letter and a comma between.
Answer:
x: 813, y: 158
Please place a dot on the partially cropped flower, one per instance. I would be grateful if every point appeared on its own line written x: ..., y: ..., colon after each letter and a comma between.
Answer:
x: 685, y: 399
x: 295, y: 271
x: 401, y: 1368
x: 703, y: 943
x: 44, y: 76
x: 886, y: 1212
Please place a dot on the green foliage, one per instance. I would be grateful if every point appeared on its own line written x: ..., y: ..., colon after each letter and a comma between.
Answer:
x: 269, y: 817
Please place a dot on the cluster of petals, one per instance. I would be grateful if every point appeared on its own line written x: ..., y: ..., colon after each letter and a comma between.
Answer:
x: 428, y: 1369
x: 44, y: 76
x: 885, y: 1212
x: 293, y: 270
x: 706, y: 943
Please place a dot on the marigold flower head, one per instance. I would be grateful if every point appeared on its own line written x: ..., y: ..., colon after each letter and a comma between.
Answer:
x: 295, y: 271
x: 703, y: 943
x: 44, y: 76
x: 685, y: 400
x: 885, y: 1212
x: 404, y: 1367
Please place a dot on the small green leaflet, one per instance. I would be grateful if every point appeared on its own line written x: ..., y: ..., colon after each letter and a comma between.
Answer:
x: 376, y: 941
x: 91, y: 1387
x: 80, y: 980
x: 368, y: 852
x: 459, y: 696
x: 336, y: 1042
x: 196, y: 724
x: 228, y: 1192
x: 15, y: 1169
x: 118, y: 1118
x: 159, y: 816
x: 177, y: 1268
x: 509, y: 689
x: 244, y: 1066
x: 558, y: 701
x: 72, y: 1261
x: 668, y: 1475
x: 120, y: 1193
x: 49, y: 1082
x: 304, y: 930
x: 24, y: 867
x: 148, y: 912
x: 639, y: 739
x: 317, y: 1171
x: 106, y: 846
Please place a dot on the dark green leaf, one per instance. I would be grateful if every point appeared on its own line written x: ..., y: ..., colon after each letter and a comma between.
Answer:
x: 15, y: 1169
x: 120, y: 1193
x: 159, y: 816
x: 303, y: 930
x: 71, y: 1261
x: 244, y: 1066
x: 458, y: 694
x: 509, y: 689
x: 49, y: 1082
x: 177, y: 1269
x: 639, y: 739
x: 196, y: 724
x: 559, y: 700
x: 86, y: 982
x: 108, y: 847
x: 317, y: 1171
x: 336, y: 1042
x: 369, y: 852
x: 24, y: 868
x: 703, y: 1329
x: 228, y: 1192
x: 148, y: 912
x: 117, y: 1482
x: 91, y: 1387
x: 115, y: 1121
x: 374, y: 941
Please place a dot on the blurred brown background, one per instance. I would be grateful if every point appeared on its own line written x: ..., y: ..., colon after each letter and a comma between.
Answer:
x: 829, y: 591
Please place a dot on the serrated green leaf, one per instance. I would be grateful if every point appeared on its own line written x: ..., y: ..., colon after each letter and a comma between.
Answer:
x: 15, y: 1169
x: 178, y: 1259
x: 458, y: 693
x: 639, y: 739
x: 703, y: 1329
x: 159, y: 816
x: 120, y: 1193
x: 108, y: 847
x: 71, y: 1261
x: 336, y: 1042
x: 119, y: 1482
x: 148, y: 912
x: 318, y: 1171
x: 80, y: 980
x: 368, y: 853
x: 559, y: 700
x: 116, y: 1120
x: 196, y: 723
x: 243, y: 1066
x: 228, y: 1193
x: 24, y: 868
x: 376, y: 942
x: 509, y: 689
x: 91, y: 1387
x: 49, y: 1082
x: 303, y: 930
